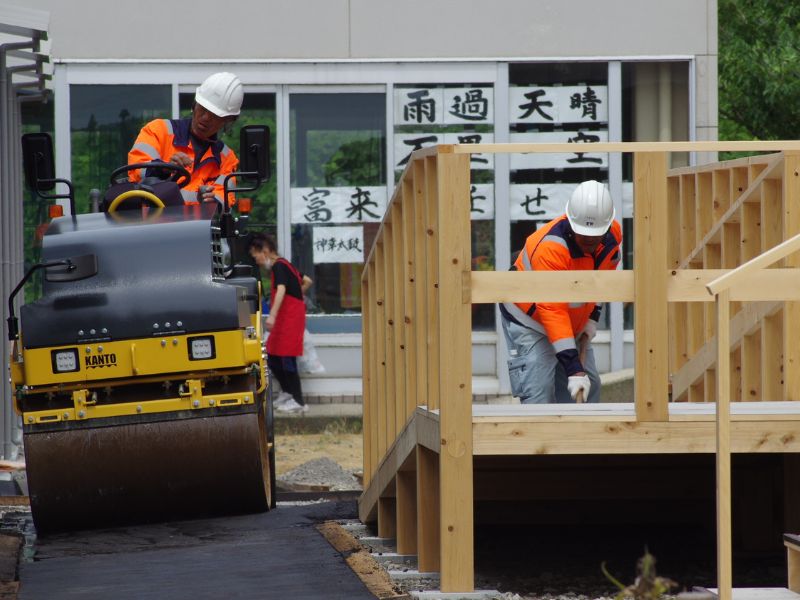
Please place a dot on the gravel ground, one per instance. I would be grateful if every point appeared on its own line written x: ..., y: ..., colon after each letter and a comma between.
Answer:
x: 318, y: 474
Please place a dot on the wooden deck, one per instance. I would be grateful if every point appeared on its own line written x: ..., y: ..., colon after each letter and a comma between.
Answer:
x: 717, y: 319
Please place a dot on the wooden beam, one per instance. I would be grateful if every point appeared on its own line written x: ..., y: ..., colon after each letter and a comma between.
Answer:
x: 723, y: 458
x: 679, y: 436
x: 791, y: 310
x: 367, y: 394
x: 387, y: 517
x: 407, y: 510
x: 387, y: 271
x: 398, y: 318
x: 650, y: 252
x: 637, y: 147
x: 454, y: 321
x: 420, y: 285
x: 381, y: 344
x: 432, y: 279
x: 409, y: 296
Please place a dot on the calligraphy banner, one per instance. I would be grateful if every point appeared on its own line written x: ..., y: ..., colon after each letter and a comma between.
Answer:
x: 538, y: 202
x: 443, y: 106
x: 558, y: 104
x: 581, y: 159
x: 354, y: 204
x: 406, y: 143
x: 338, y: 244
x: 481, y: 201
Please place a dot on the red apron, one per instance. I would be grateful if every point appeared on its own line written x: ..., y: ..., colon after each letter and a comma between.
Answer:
x: 286, y: 336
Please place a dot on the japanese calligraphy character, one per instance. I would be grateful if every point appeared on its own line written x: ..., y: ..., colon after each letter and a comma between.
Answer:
x: 526, y: 204
x: 474, y: 107
x: 360, y: 200
x: 588, y: 100
x: 315, y: 204
x: 584, y: 138
x: 420, y: 107
x: 416, y: 144
x: 473, y: 196
x: 535, y: 105
x: 474, y: 138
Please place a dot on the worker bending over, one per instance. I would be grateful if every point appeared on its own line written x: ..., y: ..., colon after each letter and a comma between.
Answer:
x: 551, y: 359
x: 192, y: 143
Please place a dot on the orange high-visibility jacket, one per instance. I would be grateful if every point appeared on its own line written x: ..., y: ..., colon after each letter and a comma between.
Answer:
x: 553, y: 248
x: 160, y: 139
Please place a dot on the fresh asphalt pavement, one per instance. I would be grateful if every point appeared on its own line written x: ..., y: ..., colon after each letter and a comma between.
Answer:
x: 277, y: 554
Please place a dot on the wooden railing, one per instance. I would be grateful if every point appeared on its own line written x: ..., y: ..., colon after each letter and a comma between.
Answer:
x: 418, y: 288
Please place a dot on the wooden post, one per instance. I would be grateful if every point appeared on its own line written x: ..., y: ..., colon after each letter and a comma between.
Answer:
x: 407, y: 511
x: 772, y: 327
x: 387, y: 517
x: 391, y: 331
x: 399, y: 283
x: 455, y: 383
x: 421, y: 283
x: 428, y: 541
x: 791, y: 310
x: 367, y: 310
x: 409, y: 295
x: 724, y: 557
x: 650, y: 282
x: 751, y: 344
x: 381, y: 400
x: 432, y: 278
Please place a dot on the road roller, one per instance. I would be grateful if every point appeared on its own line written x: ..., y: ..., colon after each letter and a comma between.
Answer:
x: 139, y: 374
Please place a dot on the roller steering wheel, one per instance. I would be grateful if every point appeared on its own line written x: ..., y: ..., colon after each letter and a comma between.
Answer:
x: 143, y: 194
x: 178, y: 174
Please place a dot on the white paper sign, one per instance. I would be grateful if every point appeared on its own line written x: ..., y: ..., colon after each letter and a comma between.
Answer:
x: 406, y: 143
x: 338, y: 244
x: 481, y: 201
x: 468, y: 105
x: 579, y: 160
x: 418, y: 106
x: 539, y: 202
x: 558, y: 104
x: 355, y: 204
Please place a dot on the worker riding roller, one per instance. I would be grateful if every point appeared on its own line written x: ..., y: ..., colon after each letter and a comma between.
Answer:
x: 549, y: 343
x: 192, y: 143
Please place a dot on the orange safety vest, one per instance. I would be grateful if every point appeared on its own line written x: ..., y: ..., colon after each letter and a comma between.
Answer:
x: 553, y: 248
x: 160, y: 139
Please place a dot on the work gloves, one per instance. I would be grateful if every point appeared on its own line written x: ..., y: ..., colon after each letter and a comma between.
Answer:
x: 579, y: 386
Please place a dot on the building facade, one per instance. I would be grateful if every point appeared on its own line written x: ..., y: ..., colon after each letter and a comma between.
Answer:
x: 351, y: 87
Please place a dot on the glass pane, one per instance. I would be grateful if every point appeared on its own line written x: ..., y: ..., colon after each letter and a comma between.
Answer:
x: 36, y: 117
x: 553, y: 102
x: 338, y: 192
x: 427, y: 114
x: 104, y: 121
x: 257, y: 109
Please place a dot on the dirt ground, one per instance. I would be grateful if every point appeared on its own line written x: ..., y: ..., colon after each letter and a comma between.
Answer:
x: 292, y: 450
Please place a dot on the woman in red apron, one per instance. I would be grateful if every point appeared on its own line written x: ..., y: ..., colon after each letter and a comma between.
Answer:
x: 287, y: 318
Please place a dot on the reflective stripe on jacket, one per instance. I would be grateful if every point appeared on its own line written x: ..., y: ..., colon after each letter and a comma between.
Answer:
x: 553, y: 248
x: 160, y: 139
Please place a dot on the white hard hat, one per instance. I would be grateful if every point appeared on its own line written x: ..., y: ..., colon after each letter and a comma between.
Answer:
x: 590, y: 209
x: 221, y: 93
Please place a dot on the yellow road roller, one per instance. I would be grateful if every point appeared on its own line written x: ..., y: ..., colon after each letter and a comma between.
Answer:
x: 139, y: 373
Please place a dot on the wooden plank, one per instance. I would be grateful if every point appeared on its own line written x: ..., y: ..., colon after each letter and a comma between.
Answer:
x: 724, y: 535
x: 387, y: 517
x: 381, y: 399
x: 677, y: 312
x: 629, y: 437
x: 421, y: 283
x: 641, y: 147
x: 432, y: 279
x: 751, y: 345
x: 688, y: 232
x: 428, y: 517
x: 409, y: 297
x: 368, y: 398
x: 650, y: 320
x: 705, y: 212
x: 772, y: 328
x: 391, y: 373
x: 407, y: 510
x: 791, y: 310
x: 375, y: 368
x: 398, y: 318
x: 721, y: 191
x: 454, y: 330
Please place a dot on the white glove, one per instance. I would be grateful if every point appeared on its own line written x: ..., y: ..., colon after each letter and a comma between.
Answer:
x: 589, y: 330
x: 579, y: 386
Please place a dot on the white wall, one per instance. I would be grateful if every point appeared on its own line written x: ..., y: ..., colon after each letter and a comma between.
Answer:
x: 357, y: 29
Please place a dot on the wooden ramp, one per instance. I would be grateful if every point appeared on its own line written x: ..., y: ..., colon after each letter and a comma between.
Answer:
x: 716, y: 326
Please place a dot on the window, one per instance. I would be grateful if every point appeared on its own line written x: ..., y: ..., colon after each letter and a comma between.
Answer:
x: 104, y: 121
x: 430, y: 114
x: 338, y: 192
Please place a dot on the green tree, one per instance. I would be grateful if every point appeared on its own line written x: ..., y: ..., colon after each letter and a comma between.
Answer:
x: 759, y: 69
